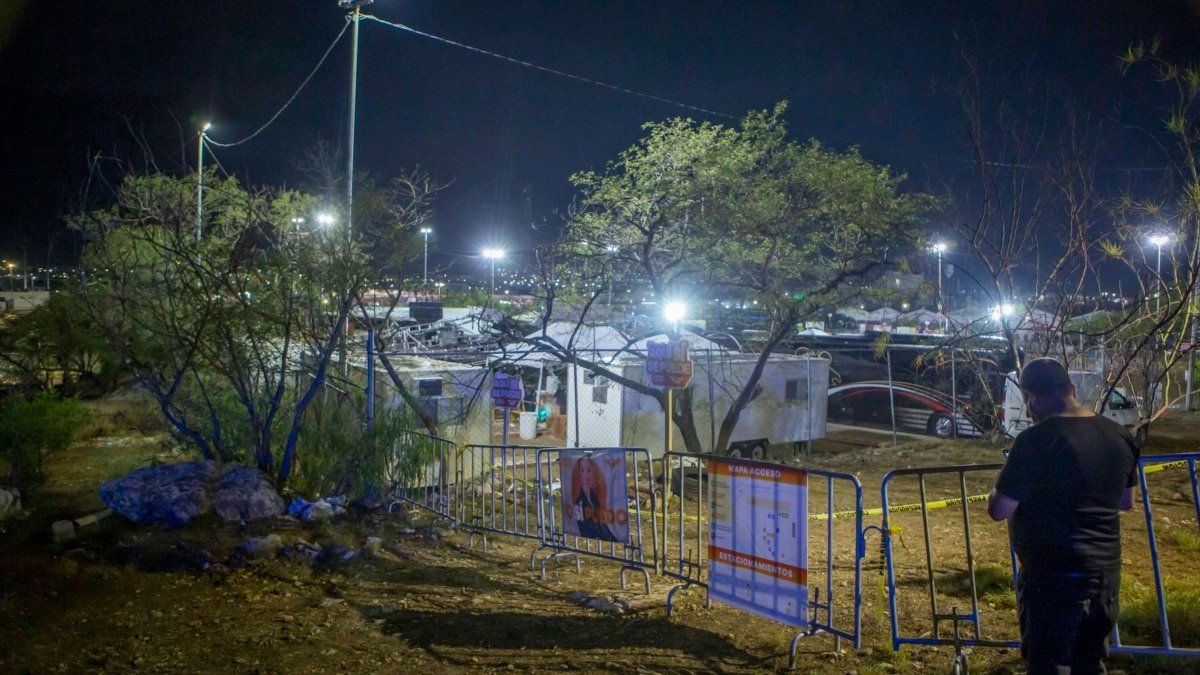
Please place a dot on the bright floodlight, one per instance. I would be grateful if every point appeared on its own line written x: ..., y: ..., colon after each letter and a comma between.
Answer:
x: 674, y: 311
x: 1002, y: 311
x: 426, y: 230
x: 940, y: 247
x: 325, y: 218
x: 1160, y: 240
x: 206, y: 127
x: 493, y: 253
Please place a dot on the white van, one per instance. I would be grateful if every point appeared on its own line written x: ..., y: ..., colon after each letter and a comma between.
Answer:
x: 1089, y: 387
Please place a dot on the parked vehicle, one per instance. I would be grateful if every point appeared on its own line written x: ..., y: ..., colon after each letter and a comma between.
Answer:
x: 916, y: 408
x: 1089, y: 388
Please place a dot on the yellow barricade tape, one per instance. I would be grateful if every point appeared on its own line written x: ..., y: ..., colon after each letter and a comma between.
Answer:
x: 1154, y: 468
x: 941, y: 504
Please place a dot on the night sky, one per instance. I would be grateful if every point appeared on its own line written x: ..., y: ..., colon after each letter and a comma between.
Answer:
x: 76, y: 76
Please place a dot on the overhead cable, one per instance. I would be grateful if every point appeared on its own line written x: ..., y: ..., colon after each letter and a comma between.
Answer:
x: 544, y: 69
x: 294, y: 95
x: 1010, y: 165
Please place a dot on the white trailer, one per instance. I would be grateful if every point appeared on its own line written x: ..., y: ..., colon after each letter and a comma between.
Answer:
x: 454, y: 395
x: 1089, y: 388
x: 789, y: 405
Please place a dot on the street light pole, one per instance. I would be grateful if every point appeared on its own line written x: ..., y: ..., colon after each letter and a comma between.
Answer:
x: 940, y: 247
x: 200, y: 137
x: 1159, y: 240
x: 492, y: 254
x: 426, y: 231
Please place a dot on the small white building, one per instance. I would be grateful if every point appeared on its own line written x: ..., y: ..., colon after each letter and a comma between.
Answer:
x: 456, y: 395
x: 789, y: 406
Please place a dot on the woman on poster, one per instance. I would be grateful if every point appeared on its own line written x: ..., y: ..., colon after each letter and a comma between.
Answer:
x: 590, y: 500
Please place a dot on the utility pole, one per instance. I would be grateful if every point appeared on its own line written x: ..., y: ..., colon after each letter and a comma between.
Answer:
x: 355, y: 16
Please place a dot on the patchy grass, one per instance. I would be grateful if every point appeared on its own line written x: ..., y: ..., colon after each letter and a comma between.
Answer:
x: 1139, y: 613
x: 1184, y: 540
x: 993, y: 582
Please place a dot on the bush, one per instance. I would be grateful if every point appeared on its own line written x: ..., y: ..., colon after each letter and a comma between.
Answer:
x: 31, y: 429
x: 336, y: 454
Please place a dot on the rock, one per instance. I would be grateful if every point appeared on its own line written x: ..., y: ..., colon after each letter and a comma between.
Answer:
x: 62, y: 531
x: 603, y: 605
x: 372, y: 547
x: 10, y: 503
x: 262, y: 548
x: 577, y: 597
x: 320, y: 510
x: 170, y: 495
x: 244, y: 494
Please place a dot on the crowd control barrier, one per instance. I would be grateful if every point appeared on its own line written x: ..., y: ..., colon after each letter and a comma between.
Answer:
x: 496, y: 491
x: 1149, y: 466
x: 590, y: 503
x: 690, y: 538
x: 418, y: 471
x: 938, y: 615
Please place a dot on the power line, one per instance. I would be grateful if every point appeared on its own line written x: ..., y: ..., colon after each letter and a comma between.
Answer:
x: 552, y: 71
x: 1011, y: 165
x: 294, y: 95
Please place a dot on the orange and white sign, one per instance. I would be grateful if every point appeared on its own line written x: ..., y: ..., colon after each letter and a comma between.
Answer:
x: 758, y: 539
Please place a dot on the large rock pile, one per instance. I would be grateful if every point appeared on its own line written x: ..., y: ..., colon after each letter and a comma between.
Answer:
x: 172, y: 495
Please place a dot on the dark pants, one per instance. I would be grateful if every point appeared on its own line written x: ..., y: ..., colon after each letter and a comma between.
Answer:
x: 1066, y: 620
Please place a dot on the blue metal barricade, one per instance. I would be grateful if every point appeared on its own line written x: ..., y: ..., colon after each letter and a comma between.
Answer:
x: 1151, y: 465
x: 568, y: 528
x: 497, y: 491
x: 685, y: 558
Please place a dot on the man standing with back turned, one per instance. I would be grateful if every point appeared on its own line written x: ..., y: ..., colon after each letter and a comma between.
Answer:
x: 1066, y: 481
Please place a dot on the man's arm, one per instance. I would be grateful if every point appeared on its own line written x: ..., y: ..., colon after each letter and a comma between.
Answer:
x: 1000, y: 505
x: 1127, y: 499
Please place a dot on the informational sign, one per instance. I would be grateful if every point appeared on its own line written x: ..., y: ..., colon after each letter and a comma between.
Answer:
x: 595, y: 501
x: 668, y: 364
x: 758, y: 540
x: 507, y: 391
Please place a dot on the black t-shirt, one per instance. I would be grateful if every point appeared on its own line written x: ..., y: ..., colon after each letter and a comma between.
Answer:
x: 1068, y: 474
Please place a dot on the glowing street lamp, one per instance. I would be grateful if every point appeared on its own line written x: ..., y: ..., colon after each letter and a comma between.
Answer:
x: 674, y: 313
x: 1000, y: 313
x: 426, y: 231
x: 493, y: 254
x: 325, y: 219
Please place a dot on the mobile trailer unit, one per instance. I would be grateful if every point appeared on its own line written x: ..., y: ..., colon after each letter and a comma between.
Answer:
x: 789, y: 405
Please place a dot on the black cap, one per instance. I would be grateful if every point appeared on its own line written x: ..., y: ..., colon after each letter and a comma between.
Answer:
x: 1044, y: 376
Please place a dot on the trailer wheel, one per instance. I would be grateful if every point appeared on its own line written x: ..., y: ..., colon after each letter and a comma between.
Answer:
x: 1140, y: 436
x: 941, y: 425
x: 749, y: 450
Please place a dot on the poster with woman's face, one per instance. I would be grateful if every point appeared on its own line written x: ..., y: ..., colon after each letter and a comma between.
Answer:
x: 595, y: 502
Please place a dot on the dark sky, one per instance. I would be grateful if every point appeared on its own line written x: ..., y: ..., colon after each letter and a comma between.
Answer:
x: 880, y: 75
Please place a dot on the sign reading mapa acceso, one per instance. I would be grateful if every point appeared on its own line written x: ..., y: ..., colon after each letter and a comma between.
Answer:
x: 758, y: 539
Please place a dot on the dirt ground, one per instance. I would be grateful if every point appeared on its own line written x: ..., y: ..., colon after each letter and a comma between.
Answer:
x: 127, y: 599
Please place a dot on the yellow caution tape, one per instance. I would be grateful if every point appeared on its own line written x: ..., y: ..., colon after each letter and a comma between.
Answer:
x: 945, y: 503
x: 1155, y: 468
